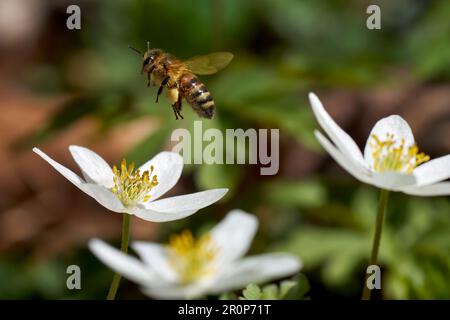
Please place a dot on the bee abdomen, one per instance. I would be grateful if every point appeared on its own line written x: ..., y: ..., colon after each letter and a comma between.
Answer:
x: 197, y: 95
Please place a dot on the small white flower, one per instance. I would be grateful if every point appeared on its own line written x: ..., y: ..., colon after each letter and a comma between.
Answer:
x: 391, y: 158
x: 188, y: 268
x: 135, y: 191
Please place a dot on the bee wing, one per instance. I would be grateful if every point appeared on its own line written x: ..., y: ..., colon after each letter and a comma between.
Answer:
x: 210, y: 63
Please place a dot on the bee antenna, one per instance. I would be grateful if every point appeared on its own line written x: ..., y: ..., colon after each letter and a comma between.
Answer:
x: 135, y: 50
x: 148, y: 45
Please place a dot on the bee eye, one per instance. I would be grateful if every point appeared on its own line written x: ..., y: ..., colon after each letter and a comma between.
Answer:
x: 147, y: 60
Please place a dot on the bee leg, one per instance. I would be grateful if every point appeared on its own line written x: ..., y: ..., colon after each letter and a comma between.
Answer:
x: 177, y: 108
x: 149, y: 74
x: 175, y: 111
x: 161, y: 87
x: 179, y: 104
x: 174, y: 97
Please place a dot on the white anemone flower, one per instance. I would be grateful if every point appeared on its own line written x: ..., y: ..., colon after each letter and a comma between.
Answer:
x: 187, y: 268
x: 391, y: 159
x: 135, y: 192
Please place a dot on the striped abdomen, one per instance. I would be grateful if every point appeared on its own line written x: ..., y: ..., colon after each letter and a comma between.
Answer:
x: 197, y: 95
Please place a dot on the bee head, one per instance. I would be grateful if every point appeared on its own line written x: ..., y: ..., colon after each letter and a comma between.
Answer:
x: 150, y: 56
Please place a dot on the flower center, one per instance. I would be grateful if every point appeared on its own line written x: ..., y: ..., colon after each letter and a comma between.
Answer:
x: 132, y: 187
x: 190, y: 258
x: 392, y: 155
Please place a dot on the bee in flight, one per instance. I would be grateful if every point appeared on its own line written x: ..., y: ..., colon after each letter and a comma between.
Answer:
x: 180, y: 80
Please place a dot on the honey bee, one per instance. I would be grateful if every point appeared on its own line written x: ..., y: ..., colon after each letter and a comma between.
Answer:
x: 180, y: 80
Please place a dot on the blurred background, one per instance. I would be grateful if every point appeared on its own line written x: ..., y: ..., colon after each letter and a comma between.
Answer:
x: 60, y: 87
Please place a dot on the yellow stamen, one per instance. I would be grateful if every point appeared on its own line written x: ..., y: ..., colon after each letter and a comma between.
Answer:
x: 190, y: 258
x: 393, y: 155
x: 131, y: 186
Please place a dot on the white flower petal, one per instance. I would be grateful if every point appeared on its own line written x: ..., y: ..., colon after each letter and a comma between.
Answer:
x: 234, y: 235
x: 155, y: 216
x: 178, y: 207
x: 340, y: 138
x: 395, y: 125
x: 104, y: 196
x: 128, y: 266
x: 93, y: 167
x: 167, y: 167
x: 257, y: 269
x: 391, y: 180
x: 187, y: 292
x: 155, y: 256
x: 65, y: 172
x: 433, y: 171
x: 357, y: 171
x: 438, y: 189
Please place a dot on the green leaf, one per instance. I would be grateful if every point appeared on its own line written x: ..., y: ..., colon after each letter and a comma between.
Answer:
x: 228, y: 296
x: 251, y: 292
x: 286, y: 286
x: 270, y: 292
x: 295, y: 289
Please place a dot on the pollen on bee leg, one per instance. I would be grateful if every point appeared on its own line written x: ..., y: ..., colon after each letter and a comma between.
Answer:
x: 391, y: 154
x: 172, y: 95
x: 132, y: 187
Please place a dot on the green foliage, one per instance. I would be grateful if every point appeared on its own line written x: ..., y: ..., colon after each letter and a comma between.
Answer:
x: 428, y: 45
x: 295, y: 289
x: 415, y: 241
x: 46, y: 279
x: 295, y: 194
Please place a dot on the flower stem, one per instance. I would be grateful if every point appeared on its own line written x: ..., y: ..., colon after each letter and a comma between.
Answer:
x: 124, y: 248
x: 382, y: 204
